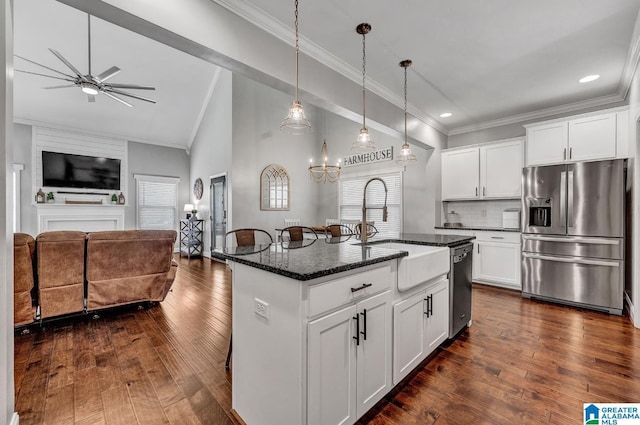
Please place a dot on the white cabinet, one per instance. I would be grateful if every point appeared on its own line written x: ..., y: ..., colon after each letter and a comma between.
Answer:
x: 496, y: 256
x: 460, y: 172
x: 420, y: 325
x: 581, y: 138
x: 349, y: 361
x: 497, y: 259
x: 490, y: 171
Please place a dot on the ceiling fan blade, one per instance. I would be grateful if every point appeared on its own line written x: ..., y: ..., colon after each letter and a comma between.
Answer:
x: 91, y: 98
x: 117, y: 99
x: 59, y: 87
x: 129, y: 86
x: 108, y: 74
x: 44, y: 66
x: 135, y: 96
x: 66, y: 62
x: 45, y: 75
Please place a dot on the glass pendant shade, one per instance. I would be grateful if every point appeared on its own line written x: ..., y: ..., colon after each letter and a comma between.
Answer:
x: 363, y: 143
x: 296, y: 122
x: 324, y: 173
x: 406, y: 156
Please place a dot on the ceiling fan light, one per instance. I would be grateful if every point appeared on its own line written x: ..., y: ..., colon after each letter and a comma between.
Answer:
x: 89, y: 88
x: 296, y: 122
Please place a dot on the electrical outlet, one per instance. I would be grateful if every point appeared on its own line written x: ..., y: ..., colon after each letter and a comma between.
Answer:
x: 261, y: 308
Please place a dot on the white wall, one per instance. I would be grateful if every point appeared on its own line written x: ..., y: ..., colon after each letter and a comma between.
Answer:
x: 7, y: 414
x: 211, y: 149
x: 634, y: 138
x: 22, y: 155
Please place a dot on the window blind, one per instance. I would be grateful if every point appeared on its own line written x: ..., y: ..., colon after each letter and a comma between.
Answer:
x: 157, y: 203
x: 351, y: 193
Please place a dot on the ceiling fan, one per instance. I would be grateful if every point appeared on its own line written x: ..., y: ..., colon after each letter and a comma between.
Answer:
x: 90, y: 84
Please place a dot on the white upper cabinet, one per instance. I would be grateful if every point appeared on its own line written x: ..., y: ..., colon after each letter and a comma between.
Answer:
x: 501, y: 170
x: 581, y: 138
x: 460, y: 172
x: 490, y: 171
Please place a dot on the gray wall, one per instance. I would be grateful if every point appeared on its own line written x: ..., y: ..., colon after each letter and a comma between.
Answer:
x: 157, y: 161
x: 258, y: 142
x: 211, y: 149
x: 22, y: 155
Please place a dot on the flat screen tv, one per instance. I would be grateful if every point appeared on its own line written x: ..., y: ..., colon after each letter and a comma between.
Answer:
x: 79, y: 171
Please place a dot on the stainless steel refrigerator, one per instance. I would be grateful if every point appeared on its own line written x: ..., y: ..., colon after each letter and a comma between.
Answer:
x: 573, y: 234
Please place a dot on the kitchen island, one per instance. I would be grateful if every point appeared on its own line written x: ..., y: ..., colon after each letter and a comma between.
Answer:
x: 314, y: 325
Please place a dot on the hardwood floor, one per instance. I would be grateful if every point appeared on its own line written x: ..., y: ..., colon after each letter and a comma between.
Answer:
x: 520, y: 362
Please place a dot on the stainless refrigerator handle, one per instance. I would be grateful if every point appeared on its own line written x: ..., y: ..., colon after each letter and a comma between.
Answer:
x: 570, y: 199
x: 563, y: 198
x: 595, y: 241
x: 573, y: 260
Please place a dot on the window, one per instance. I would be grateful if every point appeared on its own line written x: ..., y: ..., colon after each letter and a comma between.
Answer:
x: 274, y: 188
x: 156, y: 202
x: 351, y: 193
x: 15, y: 204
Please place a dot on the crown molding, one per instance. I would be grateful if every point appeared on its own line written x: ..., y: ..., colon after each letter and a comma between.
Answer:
x: 631, y: 64
x: 27, y: 121
x: 540, y: 113
x: 272, y: 26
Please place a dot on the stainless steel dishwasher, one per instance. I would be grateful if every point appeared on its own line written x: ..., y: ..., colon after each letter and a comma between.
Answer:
x: 460, y: 288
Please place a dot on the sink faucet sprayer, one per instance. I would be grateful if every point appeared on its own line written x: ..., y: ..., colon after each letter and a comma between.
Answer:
x: 363, y: 226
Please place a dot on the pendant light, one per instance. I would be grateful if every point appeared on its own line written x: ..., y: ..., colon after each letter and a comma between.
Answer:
x: 296, y: 122
x: 324, y: 173
x: 363, y: 143
x: 406, y: 155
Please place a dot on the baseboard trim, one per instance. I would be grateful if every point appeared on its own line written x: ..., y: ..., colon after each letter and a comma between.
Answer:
x: 15, y: 420
x: 632, y: 311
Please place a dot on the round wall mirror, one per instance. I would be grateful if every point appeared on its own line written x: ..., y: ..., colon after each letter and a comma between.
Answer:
x: 197, y: 188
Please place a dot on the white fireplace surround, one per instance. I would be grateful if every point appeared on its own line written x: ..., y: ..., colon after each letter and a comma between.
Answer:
x: 85, y: 218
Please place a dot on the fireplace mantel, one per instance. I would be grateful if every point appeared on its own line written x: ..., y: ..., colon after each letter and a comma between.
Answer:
x: 85, y: 218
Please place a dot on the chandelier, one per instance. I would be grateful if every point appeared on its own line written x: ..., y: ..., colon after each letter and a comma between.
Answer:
x: 363, y: 143
x: 324, y: 173
x: 406, y: 155
x: 296, y: 122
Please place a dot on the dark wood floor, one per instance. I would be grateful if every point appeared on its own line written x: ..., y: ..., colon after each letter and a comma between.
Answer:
x: 521, y: 362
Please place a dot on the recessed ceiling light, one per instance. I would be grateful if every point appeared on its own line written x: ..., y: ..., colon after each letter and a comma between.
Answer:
x: 589, y: 78
x: 446, y: 115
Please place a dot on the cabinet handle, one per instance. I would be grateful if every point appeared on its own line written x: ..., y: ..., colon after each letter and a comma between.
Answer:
x: 570, y: 152
x: 478, y: 245
x: 364, y: 324
x: 476, y: 191
x: 357, y: 337
x: 360, y: 288
x: 429, y: 301
x: 484, y: 191
x: 564, y: 153
x: 497, y: 237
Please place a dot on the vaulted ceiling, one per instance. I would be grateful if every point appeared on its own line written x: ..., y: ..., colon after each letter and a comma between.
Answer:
x: 487, y: 62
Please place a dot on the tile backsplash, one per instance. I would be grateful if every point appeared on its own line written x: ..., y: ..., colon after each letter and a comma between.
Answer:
x: 479, y: 213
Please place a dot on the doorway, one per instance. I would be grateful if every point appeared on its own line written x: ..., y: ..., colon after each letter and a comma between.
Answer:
x: 218, y: 211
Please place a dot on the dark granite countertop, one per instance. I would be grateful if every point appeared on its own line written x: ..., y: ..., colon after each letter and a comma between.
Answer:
x: 311, y: 259
x: 489, y: 229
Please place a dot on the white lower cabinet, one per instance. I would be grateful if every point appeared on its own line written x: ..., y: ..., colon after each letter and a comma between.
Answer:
x: 420, y: 325
x: 497, y: 259
x: 349, y: 361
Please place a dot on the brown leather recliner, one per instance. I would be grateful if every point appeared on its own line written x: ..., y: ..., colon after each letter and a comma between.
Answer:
x: 129, y: 266
x: 24, y: 247
x: 60, y: 272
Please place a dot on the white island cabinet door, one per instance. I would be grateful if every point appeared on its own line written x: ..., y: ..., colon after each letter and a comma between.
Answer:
x: 332, y: 369
x: 460, y: 174
x: 498, y: 263
x: 408, y: 335
x: 437, y: 309
x: 374, y: 352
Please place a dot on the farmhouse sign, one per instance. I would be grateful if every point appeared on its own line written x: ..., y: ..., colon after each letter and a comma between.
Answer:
x: 381, y: 155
